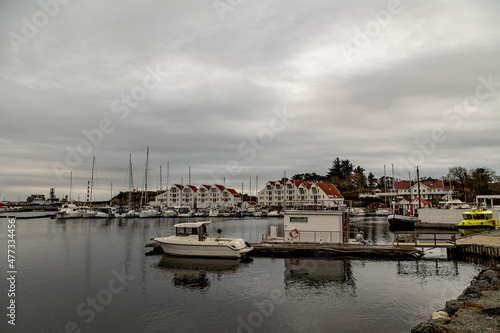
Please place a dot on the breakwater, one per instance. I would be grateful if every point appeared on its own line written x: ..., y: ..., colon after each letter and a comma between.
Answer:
x: 477, y: 309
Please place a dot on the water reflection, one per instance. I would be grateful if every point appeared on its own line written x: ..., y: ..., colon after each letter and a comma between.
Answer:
x: 307, y: 273
x: 191, y: 273
x: 428, y: 268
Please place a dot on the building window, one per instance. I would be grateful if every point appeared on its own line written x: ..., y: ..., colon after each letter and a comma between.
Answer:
x: 298, y: 219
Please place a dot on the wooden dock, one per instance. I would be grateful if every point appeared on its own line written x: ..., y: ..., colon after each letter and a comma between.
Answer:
x: 484, y: 245
x: 287, y: 250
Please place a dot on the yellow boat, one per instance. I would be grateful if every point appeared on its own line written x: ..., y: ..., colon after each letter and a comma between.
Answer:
x: 477, y: 218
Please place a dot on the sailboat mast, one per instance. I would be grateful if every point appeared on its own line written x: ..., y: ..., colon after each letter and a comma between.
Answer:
x: 70, y: 184
x: 146, y: 178
x: 92, y: 180
x: 418, y: 188
x: 130, y: 181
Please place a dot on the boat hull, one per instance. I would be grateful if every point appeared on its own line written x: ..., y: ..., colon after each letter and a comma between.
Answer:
x: 203, y: 249
x: 402, y: 222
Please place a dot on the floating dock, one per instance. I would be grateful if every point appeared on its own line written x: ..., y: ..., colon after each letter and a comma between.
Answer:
x: 287, y: 250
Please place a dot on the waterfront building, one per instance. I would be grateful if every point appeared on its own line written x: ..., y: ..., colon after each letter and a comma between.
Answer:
x: 429, y: 190
x: 206, y: 196
x: 297, y: 193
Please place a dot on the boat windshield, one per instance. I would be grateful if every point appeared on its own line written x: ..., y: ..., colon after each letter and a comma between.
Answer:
x: 478, y: 216
x: 182, y: 231
x: 467, y: 216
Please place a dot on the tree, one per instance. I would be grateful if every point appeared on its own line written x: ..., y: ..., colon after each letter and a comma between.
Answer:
x: 480, y: 180
x: 359, y: 177
x: 371, y: 180
x: 340, y: 174
x: 460, y: 176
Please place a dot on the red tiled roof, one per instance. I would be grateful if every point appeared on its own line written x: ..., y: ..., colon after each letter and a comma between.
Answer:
x: 428, y: 183
x: 330, y: 190
x: 233, y: 192
x: 179, y: 186
x: 193, y: 188
x: 220, y: 187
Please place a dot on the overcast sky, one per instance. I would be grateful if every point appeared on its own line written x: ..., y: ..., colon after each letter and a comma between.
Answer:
x: 239, y: 89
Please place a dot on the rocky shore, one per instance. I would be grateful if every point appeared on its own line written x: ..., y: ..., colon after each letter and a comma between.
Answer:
x: 477, y: 309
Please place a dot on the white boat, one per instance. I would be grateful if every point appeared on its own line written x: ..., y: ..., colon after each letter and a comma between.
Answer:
x: 382, y: 212
x: 169, y: 213
x: 184, y: 211
x: 273, y: 213
x: 357, y: 211
x: 148, y: 212
x: 213, y: 213
x: 258, y: 213
x: 191, y: 239
x: 69, y: 211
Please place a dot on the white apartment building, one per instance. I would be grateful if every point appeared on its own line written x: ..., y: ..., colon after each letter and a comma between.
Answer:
x: 206, y: 196
x: 298, y: 193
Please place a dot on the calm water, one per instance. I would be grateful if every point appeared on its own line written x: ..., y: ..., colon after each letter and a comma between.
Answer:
x: 94, y: 275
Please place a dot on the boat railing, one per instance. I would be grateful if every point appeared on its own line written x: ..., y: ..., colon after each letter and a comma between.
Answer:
x: 425, y: 239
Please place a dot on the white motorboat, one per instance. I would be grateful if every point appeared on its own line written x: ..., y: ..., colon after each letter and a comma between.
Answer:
x: 213, y: 213
x: 191, y: 239
x: 148, y: 212
x: 382, y: 212
x: 184, y: 211
x: 69, y: 211
x: 169, y: 213
x: 274, y: 213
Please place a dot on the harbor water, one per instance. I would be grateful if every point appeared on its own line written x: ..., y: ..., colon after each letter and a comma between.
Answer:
x: 87, y: 275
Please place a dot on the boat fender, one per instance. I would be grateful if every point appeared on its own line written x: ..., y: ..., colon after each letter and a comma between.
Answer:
x: 294, y: 233
x: 247, y: 244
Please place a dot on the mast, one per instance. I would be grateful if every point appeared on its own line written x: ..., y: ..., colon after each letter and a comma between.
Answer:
x: 418, y: 188
x: 393, y: 188
x: 168, y: 169
x: 130, y: 182
x: 385, y: 187
x: 146, y: 178
x: 256, y: 189
x: 70, y: 184
x: 92, y: 180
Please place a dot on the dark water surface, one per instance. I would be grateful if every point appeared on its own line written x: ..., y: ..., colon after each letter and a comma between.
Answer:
x: 94, y: 276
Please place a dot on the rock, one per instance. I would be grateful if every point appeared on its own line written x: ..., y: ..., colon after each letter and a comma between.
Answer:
x: 492, y: 311
x: 480, y: 283
x: 495, y: 281
x: 453, y: 306
x: 440, y: 317
x: 424, y: 328
x: 490, y: 275
x: 469, y: 292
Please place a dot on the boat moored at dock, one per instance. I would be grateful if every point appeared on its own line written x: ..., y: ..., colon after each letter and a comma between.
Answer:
x: 478, y: 218
x: 192, y: 239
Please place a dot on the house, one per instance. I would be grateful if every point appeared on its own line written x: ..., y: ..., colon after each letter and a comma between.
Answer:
x: 297, y: 193
x: 429, y: 190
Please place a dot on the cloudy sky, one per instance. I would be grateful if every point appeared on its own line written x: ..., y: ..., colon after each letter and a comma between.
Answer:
x: 234, y: 89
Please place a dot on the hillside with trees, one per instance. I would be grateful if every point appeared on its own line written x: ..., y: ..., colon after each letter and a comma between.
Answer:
x: 351, y: 180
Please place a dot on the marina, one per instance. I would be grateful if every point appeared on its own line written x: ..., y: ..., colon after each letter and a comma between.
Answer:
x: 71, y: 260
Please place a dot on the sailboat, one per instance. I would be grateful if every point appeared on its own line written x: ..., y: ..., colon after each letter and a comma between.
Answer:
x: 88, y: 212
x: 147, y: 211
x: 128, y: 212
x: 405, y: 222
